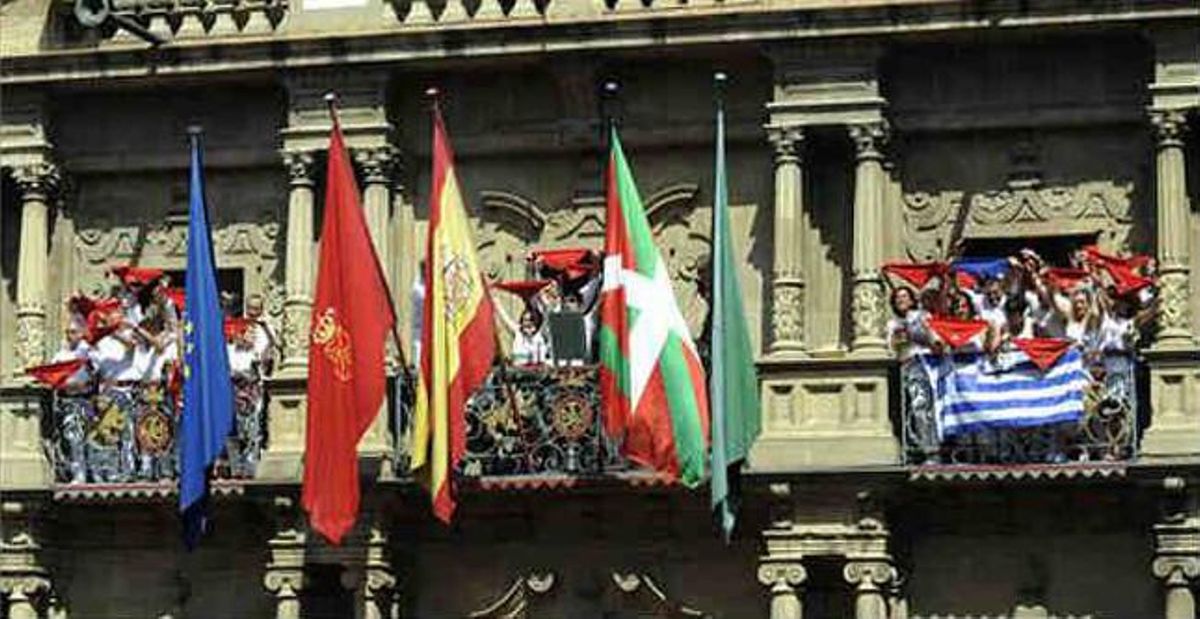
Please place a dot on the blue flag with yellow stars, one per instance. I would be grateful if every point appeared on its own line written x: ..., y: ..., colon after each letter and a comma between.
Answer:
x: 207, y: 387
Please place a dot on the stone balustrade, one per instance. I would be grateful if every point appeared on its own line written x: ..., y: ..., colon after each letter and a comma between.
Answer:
x: 189, y: 19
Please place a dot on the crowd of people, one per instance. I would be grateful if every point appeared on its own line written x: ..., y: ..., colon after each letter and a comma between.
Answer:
x: 558, y: 319
x: 1100, y: 303
x: 118, y: 381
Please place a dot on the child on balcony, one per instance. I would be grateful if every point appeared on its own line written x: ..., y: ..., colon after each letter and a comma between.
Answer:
x: 529, y: 344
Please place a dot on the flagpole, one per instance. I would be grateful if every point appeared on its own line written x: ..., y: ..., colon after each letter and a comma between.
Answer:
x: 331, y: 100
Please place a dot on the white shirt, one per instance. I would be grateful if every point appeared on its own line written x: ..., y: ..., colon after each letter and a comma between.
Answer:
x: 1117, y: 334
x: 115, y: 361
x: 530, y: 349
x: 241, y: 359
x: 908, y: 336
x: 418, y: 315
x: 163, y: 359
x: 992, y: 313
x: 263, y: 338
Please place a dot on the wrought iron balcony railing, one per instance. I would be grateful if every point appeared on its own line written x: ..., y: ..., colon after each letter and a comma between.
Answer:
x: 1106, y: 432
x: 128, y: 434
x: 538, y: 421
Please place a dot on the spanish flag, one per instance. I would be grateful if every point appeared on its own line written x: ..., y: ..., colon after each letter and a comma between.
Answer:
x: 458, y: 339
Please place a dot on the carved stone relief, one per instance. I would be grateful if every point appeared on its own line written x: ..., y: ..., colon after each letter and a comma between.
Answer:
x: 512, y: 224
x: 252, y: 247
x: 633, y: 592
x: 515, y: 601
x: 1102, y: 207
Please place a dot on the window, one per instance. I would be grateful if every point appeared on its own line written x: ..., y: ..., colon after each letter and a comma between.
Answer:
x: 231, y: 281
x: 1055, y: 250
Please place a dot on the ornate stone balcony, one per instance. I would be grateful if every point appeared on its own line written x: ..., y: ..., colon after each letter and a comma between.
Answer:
x: 1107, y: 432
x: 186, y: 19
x: 538, y: 422
x: 129, y: 437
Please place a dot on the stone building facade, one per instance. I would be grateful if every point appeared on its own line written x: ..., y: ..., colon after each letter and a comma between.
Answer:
x: 860, y: 131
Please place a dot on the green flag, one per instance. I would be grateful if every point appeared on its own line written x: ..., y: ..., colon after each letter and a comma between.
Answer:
x: 733, y: 384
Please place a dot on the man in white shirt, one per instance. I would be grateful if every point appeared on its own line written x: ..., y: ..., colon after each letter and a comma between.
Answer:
x: 265, y: 344
x: 418, y: 313
x: 111, y: 448
x: 73, y: 402
x: 247, y: 397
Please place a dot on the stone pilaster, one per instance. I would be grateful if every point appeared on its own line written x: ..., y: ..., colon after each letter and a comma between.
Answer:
x: 1173, y: 217
x: 791, y: 222
x: 867, y: 296
x: 785, y: 578
x: 870, y: 578
x: 379, y: 585
x: 36, y: 183
x: 24, y: 581
x: 377, y: 165
x: 1178, y: 575
x: 284, y: 576
x: 298, y: 278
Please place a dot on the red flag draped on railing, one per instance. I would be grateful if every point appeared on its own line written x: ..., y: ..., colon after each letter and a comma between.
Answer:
x: 955, y: 331
x: 351, y: 319
x: 1044, y: 352
x: 55, y: 375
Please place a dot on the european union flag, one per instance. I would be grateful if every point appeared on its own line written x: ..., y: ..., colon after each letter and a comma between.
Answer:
x: 207, y: 386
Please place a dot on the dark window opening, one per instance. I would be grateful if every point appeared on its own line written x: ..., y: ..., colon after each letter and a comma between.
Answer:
x: 231, y: 284
x: 1055, y: 250
x: 324, y: 596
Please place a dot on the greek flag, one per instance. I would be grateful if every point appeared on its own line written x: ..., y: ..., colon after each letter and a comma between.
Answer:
x: 973, y: 393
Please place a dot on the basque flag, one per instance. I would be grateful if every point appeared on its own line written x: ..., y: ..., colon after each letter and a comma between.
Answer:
x: 207, y: 388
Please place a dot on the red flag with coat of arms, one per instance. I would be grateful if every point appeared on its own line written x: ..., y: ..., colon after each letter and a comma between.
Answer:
x: 351, y: 318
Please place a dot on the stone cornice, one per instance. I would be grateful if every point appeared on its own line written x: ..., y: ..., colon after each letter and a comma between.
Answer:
x: 627, y: 28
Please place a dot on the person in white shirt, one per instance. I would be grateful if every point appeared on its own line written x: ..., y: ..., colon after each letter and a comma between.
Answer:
x: 248, y: 399
x: 989, y: 304
x: 111, y: 446
x: 261, y: 334
x: 529, y: 344
x: 73, y: 401
x: 908, y: 333
x: 418, y: 313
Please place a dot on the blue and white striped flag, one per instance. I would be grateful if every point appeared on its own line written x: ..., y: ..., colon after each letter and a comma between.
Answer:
x: 972, y: 393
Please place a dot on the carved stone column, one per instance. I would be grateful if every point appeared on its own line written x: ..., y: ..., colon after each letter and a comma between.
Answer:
x: 36, y: 183
x: 867, y: 300
x: 23, y: 579
x: 1178, y: 574
x: 284, y: 576
x: 379, y: 587
x: 1173, y: 229
x: 298, y: 279
x: 869, y: 578
x: 377, y: 165
x: 1177, y: 550
x: 897, y: 599
x: 791, y: 221
x: 786, y: 580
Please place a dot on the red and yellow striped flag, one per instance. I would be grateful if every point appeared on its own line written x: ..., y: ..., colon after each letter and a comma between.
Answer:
x: 458, y: 339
